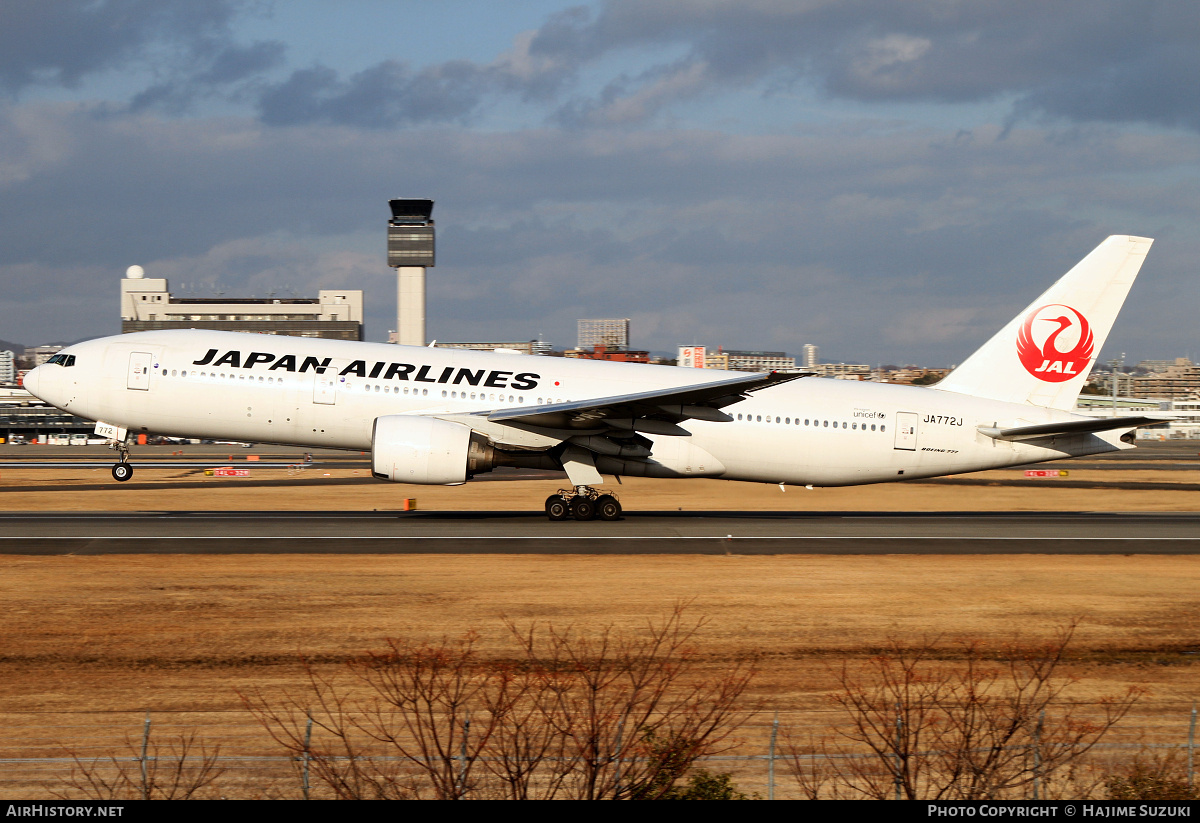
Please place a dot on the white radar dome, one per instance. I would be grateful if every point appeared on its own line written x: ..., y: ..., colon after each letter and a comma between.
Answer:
x: 135, y: 273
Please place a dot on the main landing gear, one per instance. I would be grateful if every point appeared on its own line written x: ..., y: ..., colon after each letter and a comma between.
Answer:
x: 122, y: 471
x: 583, y: 503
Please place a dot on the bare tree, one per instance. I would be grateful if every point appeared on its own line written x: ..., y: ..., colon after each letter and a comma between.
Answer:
x: 181, y: 770
x: 407, y: 708
x: 630, y: 712
x: 435, y: 706
x: 566, y: 715
x: 987, y: 725
x: 526, y: 757
x: 813, y: 764
x: 321, y: 728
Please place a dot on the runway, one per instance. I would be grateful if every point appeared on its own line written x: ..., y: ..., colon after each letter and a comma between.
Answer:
x: 748, y: 533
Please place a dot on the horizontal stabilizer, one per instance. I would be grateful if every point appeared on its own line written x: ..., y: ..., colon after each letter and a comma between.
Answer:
x: 1098, y: 424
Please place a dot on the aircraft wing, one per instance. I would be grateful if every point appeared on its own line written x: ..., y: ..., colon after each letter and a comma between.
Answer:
x: 1098, y: 424
x: 656, y: 412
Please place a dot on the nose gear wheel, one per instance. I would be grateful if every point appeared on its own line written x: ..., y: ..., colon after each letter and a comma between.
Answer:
x: 122, y: 471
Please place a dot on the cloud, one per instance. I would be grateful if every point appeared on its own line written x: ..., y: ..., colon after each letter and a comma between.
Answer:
x: 636, y: 100
x: 1083, y: 60
x: 387, y: 94
x: 393, y: 94
x: 185, y: 48
x: 60, y: 43
x: 228, y: 71
x: 627, y: 63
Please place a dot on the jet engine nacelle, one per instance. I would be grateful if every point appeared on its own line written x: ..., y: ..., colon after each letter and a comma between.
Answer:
x: 424, y: 450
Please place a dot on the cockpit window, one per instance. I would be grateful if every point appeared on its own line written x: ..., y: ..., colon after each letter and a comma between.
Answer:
x: 65, y: 360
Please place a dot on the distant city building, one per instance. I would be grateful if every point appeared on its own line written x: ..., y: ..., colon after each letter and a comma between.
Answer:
x: 902, y: 374
x: 692, y: 357
x: 809, y: 359
x: 700, y: 357
x: 843, y: 371
x: 37, y: 355
x: 1170, y: 381
x: 8, y: 367
x: 716, y: 360
x: 611, y: 333
x: 1153, y: 366
x: 908, y: 374
x: 146, y: 305
x: 763, y: 361
x: 524, y: 346
x: 609, y: 353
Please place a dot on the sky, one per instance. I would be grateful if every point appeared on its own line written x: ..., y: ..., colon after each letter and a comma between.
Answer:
x: 889, y: 181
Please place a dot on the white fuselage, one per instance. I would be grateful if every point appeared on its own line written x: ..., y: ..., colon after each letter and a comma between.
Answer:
x: 325, y: 393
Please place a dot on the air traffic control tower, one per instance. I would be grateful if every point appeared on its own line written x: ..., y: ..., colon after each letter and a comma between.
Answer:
x: 410, y: 251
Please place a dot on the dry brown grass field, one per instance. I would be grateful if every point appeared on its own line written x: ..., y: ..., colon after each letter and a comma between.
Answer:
x: 187, y: 633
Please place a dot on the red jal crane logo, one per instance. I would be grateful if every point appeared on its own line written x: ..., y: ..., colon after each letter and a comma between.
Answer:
x: 1055, y: 343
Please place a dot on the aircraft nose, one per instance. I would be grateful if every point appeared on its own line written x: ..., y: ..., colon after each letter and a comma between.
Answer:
x: 30, y: 381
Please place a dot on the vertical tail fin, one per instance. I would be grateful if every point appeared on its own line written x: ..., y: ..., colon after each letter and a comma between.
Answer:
x: 1043, y: 356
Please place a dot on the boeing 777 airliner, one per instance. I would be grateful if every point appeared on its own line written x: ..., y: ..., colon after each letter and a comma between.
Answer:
x: 442, y: 416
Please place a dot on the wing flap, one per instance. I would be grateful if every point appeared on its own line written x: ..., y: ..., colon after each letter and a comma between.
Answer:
x: 672, y: 405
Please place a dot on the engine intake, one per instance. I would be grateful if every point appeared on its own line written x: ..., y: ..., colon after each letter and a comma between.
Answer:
x: 427, y: 451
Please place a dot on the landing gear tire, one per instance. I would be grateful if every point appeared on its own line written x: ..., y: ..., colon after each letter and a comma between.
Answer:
x: 607, y: 507
x: 582, y: 508
x: 122, y: 472
x: 583, y: 503
x: 557, y: 507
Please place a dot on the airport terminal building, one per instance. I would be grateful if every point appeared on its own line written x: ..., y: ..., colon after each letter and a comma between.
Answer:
x: 147, y: 305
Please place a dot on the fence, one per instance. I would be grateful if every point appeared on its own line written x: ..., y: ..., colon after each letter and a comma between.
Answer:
x: 50, y: 754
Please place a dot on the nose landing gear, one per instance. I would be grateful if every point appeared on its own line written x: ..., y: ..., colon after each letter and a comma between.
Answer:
x: 583, y: 503
x: 122, y: 471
